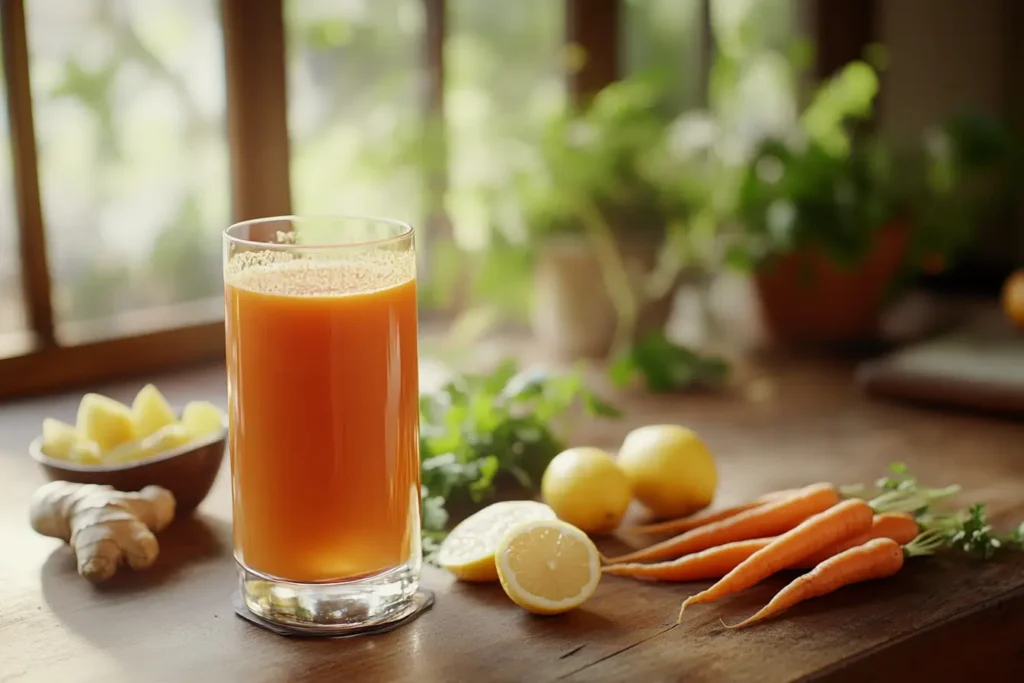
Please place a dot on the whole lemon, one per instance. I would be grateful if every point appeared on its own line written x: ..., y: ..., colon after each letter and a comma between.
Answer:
x: 670, y: 469
x: 587, y: 489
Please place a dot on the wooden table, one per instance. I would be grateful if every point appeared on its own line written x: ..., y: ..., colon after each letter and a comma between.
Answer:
x: 938, y: 620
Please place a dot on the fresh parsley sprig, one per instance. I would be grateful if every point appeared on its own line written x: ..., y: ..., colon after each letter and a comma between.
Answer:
x: 971, y: 533
x: 478, y: 427
x: 899, y: 491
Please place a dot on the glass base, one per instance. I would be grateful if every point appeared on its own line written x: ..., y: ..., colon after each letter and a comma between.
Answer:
x: 331, y: 607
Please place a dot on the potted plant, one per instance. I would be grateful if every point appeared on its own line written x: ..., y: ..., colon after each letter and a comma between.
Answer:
x: 563, y: 211
x: 830, y: 240
x: 834, y: 221
x: 597, y: 223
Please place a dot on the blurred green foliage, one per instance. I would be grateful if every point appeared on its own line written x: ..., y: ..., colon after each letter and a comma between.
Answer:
x: 814, y: 185
x: 592, y: 159
x: 665, y: 366
x: 831, y: 185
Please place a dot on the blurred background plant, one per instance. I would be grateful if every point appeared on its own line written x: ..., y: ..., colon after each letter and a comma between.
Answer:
x: 590, y: 218
x: 830, y: 213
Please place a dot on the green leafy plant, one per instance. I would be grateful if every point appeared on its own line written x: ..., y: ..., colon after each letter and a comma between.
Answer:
x: 966, y: 172
x: 588, y: 162
x: 577, y: 172
x: 480, y: 429
x: 829, y: 185
x: 819, y: 184
x: 665, y: 366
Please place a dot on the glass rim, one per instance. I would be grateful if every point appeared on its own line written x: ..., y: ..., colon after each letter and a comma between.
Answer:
x: 407, y: 231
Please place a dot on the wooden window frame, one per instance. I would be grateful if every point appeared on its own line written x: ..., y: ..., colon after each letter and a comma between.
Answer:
x: 257, y: 130
x: 593, y: 25
x: 253, y: 36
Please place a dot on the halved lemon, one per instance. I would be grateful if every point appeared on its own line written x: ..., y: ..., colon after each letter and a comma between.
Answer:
x: 548, y: 566
x: 468, y: 551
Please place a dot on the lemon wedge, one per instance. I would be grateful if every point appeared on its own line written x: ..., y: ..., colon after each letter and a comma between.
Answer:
x: 59, y: 438
x: 84, y: 452
x: 468, y: 551
x: 548, y: 566
x: 105, y: 421
x: 165, y: 439
x: 150, y: 412
x: 201, y: 419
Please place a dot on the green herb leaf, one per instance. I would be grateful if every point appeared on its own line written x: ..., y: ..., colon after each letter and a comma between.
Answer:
x: 975, y: 535
x: 480, y: 426
x: 666, y: 366
x: 594, y: 405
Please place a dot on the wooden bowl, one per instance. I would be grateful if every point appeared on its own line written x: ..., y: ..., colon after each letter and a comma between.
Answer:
x: 188, y: 471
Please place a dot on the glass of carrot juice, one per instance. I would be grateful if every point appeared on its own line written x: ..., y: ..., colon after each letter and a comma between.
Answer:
x: 324, y: 422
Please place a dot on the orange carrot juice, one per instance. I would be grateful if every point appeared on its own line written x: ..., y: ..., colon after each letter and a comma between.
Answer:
x: 324, y: 439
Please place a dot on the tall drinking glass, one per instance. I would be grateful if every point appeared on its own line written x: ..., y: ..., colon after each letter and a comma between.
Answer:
x: 324, y: 422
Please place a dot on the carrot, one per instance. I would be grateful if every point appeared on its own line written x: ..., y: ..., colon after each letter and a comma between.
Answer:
x: 875, y: 559
x: 847, y: 519
x: 767, y: 520
x: 678, y: 526
x: 716, y: 562
x: 897, y: 526
x: 712, y: 563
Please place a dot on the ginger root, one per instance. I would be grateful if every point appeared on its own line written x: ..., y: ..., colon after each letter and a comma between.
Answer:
x: 103, y: 526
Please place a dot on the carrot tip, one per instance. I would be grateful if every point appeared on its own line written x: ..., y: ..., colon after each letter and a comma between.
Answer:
x: 682, y: 609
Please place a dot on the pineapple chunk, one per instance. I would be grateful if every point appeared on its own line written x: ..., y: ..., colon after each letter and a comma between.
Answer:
x: 58, y: 439
x: 105, y: 421
x: 126, y: 452
x: 150, y: 412
x: 85, y: 452
x: 163, y: 440
x: 202, y: 419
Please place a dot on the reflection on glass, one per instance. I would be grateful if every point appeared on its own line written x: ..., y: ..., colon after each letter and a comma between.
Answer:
x: 354, y: 85
x: 129, y: 111
x: 13, y: 332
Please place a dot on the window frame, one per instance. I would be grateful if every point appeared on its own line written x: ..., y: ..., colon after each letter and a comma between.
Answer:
x: 257, y: 137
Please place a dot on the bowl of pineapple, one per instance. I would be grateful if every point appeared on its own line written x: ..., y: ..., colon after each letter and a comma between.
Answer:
x: 130, y: 447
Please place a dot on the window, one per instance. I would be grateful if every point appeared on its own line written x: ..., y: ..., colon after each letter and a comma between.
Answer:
x: 155, y: 121
x: 504, y: 73
x: 14, y: 337
x: 128, y: 102
x: 354, y: 81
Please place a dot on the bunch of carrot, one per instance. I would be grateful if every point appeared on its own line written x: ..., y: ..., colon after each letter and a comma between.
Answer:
x: 841, y: 541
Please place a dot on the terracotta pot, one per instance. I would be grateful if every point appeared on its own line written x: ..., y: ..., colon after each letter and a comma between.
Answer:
x: 572, y: 313
x: 806, y: 298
